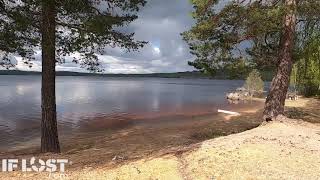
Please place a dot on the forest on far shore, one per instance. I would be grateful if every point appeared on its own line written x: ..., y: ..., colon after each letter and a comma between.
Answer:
x: 266, y: 75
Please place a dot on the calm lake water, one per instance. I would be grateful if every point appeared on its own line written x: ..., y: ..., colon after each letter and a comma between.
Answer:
x: 81, y: 101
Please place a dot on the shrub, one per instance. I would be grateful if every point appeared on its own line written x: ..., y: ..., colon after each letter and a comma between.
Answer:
x: 254, y: 83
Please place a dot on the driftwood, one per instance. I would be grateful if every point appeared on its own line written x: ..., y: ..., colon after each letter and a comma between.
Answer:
x: 228, y: 112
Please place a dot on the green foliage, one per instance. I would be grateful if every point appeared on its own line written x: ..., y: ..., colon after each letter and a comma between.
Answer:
x: 306, y: 71
x: 5, y: 60
x: 267, y: 74
x: 228, y: 31
x: 254, y: 84
x: 237, y: 70
x: 85, y: 27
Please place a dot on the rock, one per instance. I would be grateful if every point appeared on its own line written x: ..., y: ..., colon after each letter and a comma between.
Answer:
x: 241, y: 89
x: 234, y: 96
x: 240, y: 94
x: 233, y: 101
x: 292, y: 96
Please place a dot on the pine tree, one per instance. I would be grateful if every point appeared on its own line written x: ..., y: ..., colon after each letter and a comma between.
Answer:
x: 307, y: 67
x: 60, y: 28
x: 265, y: 32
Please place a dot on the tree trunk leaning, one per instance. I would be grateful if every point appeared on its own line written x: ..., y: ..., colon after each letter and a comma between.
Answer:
x: 275, y: 102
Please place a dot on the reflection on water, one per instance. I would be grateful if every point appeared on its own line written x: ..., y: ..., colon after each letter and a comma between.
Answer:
x: 95, y: 103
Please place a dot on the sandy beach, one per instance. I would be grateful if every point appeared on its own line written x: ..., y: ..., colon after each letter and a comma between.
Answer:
x: 273, y: 151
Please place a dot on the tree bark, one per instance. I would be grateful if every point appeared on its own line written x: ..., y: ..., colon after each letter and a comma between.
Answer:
x: 49, y: 130
x: 275, y: 102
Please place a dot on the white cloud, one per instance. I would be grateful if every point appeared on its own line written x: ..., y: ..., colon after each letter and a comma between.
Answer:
x: 160, y: 23
x: 156, y: 51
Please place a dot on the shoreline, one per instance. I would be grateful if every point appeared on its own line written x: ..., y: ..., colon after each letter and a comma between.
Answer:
x: 248, y: 154
x: 144, y: 137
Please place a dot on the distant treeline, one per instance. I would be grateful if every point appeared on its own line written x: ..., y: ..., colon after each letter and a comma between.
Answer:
x: 191, y: 74
x: 266, y: 76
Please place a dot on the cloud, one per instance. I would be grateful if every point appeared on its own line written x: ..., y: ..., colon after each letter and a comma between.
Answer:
x: 160, y: 23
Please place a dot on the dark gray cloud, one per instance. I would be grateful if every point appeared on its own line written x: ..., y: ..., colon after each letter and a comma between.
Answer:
x: 160, y: 23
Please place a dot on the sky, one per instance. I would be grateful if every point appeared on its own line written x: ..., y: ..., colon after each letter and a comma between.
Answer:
x: 160, y: 23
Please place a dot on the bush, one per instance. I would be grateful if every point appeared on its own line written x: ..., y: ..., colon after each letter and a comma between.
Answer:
x: 254, y: 83
x: 306, y: 71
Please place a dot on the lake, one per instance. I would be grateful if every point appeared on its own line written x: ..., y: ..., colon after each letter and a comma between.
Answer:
x: 88, y: 104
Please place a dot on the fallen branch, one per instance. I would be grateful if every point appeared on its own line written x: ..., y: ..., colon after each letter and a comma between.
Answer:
x: 228, y: 112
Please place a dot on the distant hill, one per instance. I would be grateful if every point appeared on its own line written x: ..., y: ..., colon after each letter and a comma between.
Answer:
x: 191, y: 74
x: 17, y: 72
x: 266, y: 75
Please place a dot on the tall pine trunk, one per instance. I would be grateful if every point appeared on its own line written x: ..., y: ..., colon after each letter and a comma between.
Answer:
x: 49, y: 130
x: 275, y: 102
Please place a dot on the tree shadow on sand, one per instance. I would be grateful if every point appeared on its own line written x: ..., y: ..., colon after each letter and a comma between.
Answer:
x: 309, y: 112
